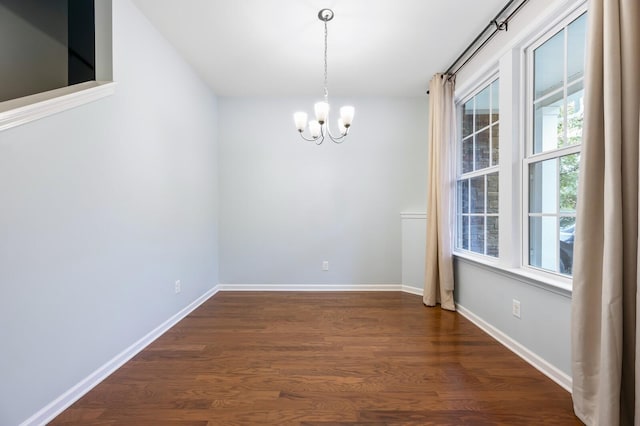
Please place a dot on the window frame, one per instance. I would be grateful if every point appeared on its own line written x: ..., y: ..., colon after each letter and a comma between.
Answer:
x: 479, y: 86
x: 528, y: 156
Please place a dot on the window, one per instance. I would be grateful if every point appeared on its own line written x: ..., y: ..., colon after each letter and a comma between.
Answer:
x: 555, y: 110
x: 477, y: 183
x: 58, y: 56
x: 46, y: 45
x: 515, y: 195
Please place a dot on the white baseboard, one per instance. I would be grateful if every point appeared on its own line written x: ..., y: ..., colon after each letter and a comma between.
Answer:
x: 57, y: 406
x: 529, y: 356
x: 321, y: 287
x: 310, y: 287
x: 412, y: 290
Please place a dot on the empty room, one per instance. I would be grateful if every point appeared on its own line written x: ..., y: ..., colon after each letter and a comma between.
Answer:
x: 319, y: 212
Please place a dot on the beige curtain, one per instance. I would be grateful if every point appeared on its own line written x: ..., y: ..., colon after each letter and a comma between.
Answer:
x: 604, y: 324
x: 438, y: 286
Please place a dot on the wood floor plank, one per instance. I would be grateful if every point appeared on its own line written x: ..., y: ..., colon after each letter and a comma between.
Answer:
x: 281, y: 358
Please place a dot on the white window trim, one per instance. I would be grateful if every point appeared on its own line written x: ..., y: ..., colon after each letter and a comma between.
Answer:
x: 482, y: 84
x: 29, y: 108
x: 529, y: 157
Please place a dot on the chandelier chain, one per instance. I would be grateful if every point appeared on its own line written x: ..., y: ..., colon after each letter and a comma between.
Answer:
x: 326, y: 90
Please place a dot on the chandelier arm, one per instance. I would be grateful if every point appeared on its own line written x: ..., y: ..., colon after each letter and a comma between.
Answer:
x: 335, y: 138
x: 323, y: 134
x: 338, y: 139
x: 310, y: 139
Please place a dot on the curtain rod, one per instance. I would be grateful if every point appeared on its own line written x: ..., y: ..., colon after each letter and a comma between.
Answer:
x: 497, y: 24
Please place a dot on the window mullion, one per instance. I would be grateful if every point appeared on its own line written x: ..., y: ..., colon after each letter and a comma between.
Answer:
x: 487, y: 170
x: 558, y: 214
x: 548, y: 155
x: 473, y: 138
x: 490, y: 124
x: 486, y: 200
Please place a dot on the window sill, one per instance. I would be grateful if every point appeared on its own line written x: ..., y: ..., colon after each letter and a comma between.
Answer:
x: 541, y: 280
x: 29, y: 108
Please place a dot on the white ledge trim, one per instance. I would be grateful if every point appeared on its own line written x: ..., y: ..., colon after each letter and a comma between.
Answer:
x: 413, y: 215
x: 29, y: 108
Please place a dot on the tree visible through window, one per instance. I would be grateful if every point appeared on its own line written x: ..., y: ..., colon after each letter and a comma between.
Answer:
x: 553, y: 160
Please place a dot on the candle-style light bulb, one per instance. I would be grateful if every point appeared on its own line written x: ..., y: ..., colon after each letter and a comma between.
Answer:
x: 314, y: 129
x: 341, y: 127
x: 346, y: 113
x: 322, y: 111
x: 300, y: 119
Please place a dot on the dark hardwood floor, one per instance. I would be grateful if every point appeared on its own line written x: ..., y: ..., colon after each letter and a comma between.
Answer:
x: 323, y: 359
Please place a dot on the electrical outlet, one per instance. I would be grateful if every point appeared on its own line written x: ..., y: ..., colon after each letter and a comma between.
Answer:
x: 516, y: 308
x: 178, y: 287
x: 325, y: 265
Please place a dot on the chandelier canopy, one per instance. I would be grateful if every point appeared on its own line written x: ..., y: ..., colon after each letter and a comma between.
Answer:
x: 319, y: 128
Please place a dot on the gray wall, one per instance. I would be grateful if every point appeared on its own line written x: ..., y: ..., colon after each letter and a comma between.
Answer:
x: 545, y: 313
x: 103, y: 208
x: 286, y: 204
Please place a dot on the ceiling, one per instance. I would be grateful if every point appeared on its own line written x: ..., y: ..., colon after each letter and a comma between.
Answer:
x: 275, y: 47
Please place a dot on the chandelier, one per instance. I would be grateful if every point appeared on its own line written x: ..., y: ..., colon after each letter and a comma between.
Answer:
x: 319, y: 128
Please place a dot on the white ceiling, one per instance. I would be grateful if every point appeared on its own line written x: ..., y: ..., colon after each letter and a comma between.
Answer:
x: 275, y: 47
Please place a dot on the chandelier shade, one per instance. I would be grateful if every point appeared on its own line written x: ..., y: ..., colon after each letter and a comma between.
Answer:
x: 319, y: 128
